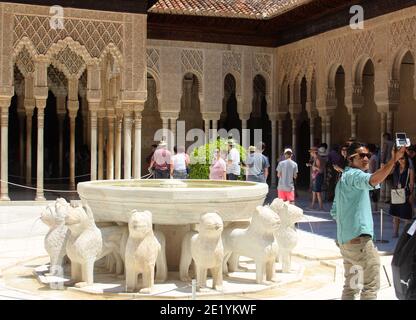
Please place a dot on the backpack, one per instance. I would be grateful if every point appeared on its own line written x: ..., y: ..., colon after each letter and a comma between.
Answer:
x: 403, y: 265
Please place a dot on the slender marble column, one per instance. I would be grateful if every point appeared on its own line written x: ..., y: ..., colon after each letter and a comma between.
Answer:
x: 110, y: 148
x: 72, y: 119
x: 280, y: 136
x: 312, y: 132
x: 328, y: 131
x: 93, y: 127
x: 4, y: 150
x: 353, y: 124
x: 29, y: 116
x: 100, y: 147
x: 274, y: 156
x: 294, y: 135
x: 127, y: 144
x: 137, y: 145
x: 40, y: 105
x: 119, y: 126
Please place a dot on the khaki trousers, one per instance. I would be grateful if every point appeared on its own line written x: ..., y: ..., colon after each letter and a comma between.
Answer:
x: 361, y: 269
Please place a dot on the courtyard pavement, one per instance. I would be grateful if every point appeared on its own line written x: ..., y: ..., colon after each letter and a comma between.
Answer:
x: 22, y: 234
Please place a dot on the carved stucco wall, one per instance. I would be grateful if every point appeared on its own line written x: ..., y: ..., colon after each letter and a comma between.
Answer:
x: 210, y: 63
x: 381, y: 40
x: 87, y: 38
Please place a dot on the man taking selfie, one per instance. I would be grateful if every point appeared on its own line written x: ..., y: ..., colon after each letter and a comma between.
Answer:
x: 355, y: 228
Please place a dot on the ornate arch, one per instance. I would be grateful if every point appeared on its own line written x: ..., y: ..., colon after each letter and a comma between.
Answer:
x: 155, y: 76
x: 237, y: 79
x: 358, y: 69
x: 112, y: 49
x: 70, y: 57
x: 399, y: 56
x: 198, y: 78
x: 332, y: 73
x: 24, y: 55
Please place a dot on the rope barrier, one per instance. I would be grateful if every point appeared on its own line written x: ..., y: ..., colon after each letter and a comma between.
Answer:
x: 61, y: 178
x: 32, y: 188
x: 147, y: 176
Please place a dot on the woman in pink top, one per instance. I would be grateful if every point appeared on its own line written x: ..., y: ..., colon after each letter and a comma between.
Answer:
x: 218, y: 169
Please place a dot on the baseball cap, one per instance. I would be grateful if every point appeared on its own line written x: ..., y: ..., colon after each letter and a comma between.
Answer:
x: 288, y: 150
x: 252, y: 149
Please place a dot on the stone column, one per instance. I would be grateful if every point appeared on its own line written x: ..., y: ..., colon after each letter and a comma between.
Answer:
x: 165, y: 127
x: 127, y: 143
x: 4, y: 190
x: 245, y: 136
x: 353, y: 124
x: 323, y: 126
x: 294, y: 135
x: 72, y: 119
x: 382, y: 127
x: 274, y: 156
x: 100, y: 145
x: 93, y: 127
x: 280, y: 136
x: 137, y: 145
x: 110, y: 147
x: 119, y: 126
x: 214, y: 128
x: 328, y: 131
x: 312, y: 131
x: 73, y: 107
x: 173, y: 129
x: 390, y: 122
x: 29, y: 116
x: 206, y: 129
x: 94, y: 97
x: 40, y: 105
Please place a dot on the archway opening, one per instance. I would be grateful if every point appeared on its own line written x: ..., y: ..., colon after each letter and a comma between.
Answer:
x: 190, y: 105
x: 151, y: 121
x: 341, y: 119
x: 229, y: 118
x: 368, y: 128
x: 303, y: 135
x: 402, y: 121
x: 259, y: 118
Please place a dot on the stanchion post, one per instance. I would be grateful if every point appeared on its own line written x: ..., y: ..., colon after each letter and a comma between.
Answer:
x: 193, y: 289
x: 381, y: 229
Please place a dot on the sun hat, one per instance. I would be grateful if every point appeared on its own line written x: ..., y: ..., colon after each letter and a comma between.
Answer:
x: 322, y: 151
x: 251, y: 149
x: 162, y: 143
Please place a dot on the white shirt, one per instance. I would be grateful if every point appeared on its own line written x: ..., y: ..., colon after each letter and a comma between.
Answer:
x: 234, y: 167
x: 179, y: 163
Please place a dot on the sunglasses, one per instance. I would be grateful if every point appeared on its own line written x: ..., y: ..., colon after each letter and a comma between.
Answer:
x: 361, y: 154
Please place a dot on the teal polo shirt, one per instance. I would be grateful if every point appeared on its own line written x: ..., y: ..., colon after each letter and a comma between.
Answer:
x: 351, y: 208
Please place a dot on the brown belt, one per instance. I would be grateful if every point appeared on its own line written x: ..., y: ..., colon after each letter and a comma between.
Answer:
x: 358, y: 239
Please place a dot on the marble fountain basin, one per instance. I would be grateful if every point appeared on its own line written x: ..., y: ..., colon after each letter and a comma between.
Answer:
x: 172, y: 202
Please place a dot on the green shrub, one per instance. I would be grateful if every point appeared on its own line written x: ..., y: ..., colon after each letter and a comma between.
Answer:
x: 201, y: 158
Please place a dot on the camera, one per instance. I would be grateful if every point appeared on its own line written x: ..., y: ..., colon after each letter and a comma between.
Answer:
x: 402, y: 140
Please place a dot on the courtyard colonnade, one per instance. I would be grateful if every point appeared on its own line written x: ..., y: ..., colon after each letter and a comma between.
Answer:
x: 121, y: 87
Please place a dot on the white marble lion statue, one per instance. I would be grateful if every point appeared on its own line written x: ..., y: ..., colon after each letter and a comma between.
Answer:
x: 206, y: 249
x: 84, y: 244
x: 256, y: 242
x: 286, y: 234
x: 142, y: 251
x: 55, y: 240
